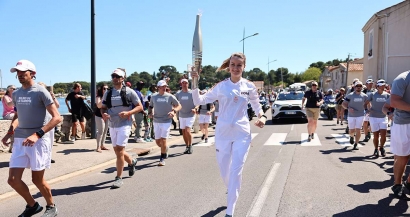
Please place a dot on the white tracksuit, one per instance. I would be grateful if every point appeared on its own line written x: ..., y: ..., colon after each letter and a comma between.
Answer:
x: 232, y: 135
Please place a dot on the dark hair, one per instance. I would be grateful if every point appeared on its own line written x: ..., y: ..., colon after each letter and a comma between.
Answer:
x: 100, y: 90
x: 7, y: 89
x: 153, y: 88
x: 140, y: 85
x: 225, y: 64
x: 76, y: 85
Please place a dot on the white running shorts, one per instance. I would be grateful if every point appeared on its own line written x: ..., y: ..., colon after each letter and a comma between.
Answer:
x: 36, y: 157
x: 120, y: 135
x: 366, y: 117
x: 400, y: 139
x: 377, y: 124
x: 355, y: 122
x: 205, y: 119
x: 186, y: 122
x: 161, y: 130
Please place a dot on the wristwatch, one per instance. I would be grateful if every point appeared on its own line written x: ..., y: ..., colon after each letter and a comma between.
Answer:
x: 40, y: 133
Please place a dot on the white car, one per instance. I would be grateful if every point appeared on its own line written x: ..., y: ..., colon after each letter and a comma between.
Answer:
x: 288, y: 105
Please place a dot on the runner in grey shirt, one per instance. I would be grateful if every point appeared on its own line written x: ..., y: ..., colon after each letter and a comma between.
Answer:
x: 378, y: 120
x: 186, y: 114
x: 32, y: 145
x: 163, y: 107
x: 400, y: 137
x: 117, y: 107
x: 355, y: 103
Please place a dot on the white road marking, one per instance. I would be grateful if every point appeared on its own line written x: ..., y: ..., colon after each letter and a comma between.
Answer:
x: 313, y: 142
x: 276, y: 139
x: 260, y: 198
x: 343, y: 139
x: 211, y: 141
x: 291, y: 128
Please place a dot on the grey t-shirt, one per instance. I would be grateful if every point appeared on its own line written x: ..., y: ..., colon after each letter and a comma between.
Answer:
x: 377, y: 100
x: 203, y: 110
x: 216, y: 104
x: 117, y: 107
x: 356, y: 102
x: 31, y: 106
x: 401, y: 87
x: 162, y: 105
x: 187, y: 103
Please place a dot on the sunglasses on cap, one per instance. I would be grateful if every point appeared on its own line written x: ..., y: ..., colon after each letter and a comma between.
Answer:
x: 115, y: 76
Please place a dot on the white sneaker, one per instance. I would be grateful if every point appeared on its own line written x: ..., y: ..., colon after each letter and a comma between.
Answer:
x: 140, y: 140
x: 83, y: 136
x: 72, y: 138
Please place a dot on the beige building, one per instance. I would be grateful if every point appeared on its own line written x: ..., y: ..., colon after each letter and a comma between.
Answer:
x: 335, y: 77
x: 387, y: 43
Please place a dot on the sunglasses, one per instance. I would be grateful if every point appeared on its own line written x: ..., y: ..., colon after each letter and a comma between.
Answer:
x: 105, y: 88
x: 359, y: 86
x: 12, y: 88
x: 115, y: 76
x: 314, y: 85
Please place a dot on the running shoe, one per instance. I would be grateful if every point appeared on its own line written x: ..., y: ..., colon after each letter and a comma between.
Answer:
x: 191, y: 150
x: 206, y: 140
x: 309, y: 138
x: 407, y: 185
x: 117, y: 183
x: 398, y: 191
x: 161, y: 162
x: 341, y: 123
x: 72, y: 139
x: 140, y: 140
x: 313, y: 136
x: 186, y: 150
x: 376, y: 153
x: 355, y: 147
x: 29, y: 211
x: 351, y: 140
x: 366, y: 139
x: 383, y: 152
x: 203, y: 137
x: 228, y: 215
x: 337, y: 122
x: 131, y: 167
x: 52, y: 161
x: 51, y: 211
x: 83, y: 136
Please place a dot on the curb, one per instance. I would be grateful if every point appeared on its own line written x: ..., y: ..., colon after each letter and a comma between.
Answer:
x: 85, y: 170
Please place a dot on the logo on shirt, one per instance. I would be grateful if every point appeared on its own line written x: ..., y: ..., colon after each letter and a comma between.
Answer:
x: 24, y: 100
x: 245, y: 93
x: 184, y: 98
x: 161, y: 100
x: 357, y: 100
x: 380, y: 99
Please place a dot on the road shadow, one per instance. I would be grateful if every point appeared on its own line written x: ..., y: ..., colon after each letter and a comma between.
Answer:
x: 4, y: 164
x: 69, y: 151
x: 338, y: 150
x: 382, y: 208
x: 79, y: 189
x: 214, y: 212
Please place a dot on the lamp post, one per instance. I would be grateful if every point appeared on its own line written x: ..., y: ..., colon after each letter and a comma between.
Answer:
x: 269, y: 63
x: 93, y: 93
x: 243, y: 40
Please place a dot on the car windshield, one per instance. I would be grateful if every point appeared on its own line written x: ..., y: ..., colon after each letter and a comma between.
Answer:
x: 290, y: 96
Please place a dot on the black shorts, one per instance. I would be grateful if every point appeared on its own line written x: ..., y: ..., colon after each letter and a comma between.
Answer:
x: 76, y: 118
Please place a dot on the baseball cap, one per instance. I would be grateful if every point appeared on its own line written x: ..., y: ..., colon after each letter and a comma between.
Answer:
x: 162, y: 83
x: 381, y: 82
x: 358, y: 83
x: 184, y: 80
x: 119, y: 72
x: 354, y: 80
x: 369, y: 81
x: 23, y: 65
x: 128, y: 84
x: 314, y: 82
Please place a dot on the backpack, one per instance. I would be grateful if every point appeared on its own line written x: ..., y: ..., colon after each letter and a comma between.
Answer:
x: 123, y: 95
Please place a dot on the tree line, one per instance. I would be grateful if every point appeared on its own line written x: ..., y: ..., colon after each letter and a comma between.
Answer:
x: 210, y: 77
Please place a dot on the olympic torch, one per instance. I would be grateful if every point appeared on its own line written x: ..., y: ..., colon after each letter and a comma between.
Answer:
x: 197, y: 50
x: 196, y: 59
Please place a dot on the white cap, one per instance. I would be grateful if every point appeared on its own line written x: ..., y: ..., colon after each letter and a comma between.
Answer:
x: 162, y: 83
x: 369, y: 81
x: 119, y: 72
x: 357, y: 83
x: 184, y: 80
x: 354, y: 80
x: 381, y: 82
x: 23, y: 65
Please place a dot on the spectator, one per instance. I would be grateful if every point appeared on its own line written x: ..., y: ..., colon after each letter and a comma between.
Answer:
x: 140, y: 117
x: 8, y: 105
x: 101, y: 124
x: 76, y: 99
x: 205, y: 113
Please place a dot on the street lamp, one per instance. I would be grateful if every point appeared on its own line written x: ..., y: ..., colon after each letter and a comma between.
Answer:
x: 243, y: 40
x: 268, y: 64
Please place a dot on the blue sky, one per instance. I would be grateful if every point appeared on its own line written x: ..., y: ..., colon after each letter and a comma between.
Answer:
x: 142, y: 35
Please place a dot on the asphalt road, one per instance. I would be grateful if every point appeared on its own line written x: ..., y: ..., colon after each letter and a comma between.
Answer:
x: 283, y: 176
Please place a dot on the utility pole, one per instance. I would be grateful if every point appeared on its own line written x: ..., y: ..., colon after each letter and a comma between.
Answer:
x: 93, y: 92
x: 347, y: 67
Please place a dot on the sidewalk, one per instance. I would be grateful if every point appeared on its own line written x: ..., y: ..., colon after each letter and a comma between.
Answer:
x: 79, y: 158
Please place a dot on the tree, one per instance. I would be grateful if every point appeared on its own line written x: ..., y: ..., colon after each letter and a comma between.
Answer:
x: 312, y: 73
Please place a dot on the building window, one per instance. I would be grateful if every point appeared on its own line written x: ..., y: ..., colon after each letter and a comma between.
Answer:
x: 371, y: 37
